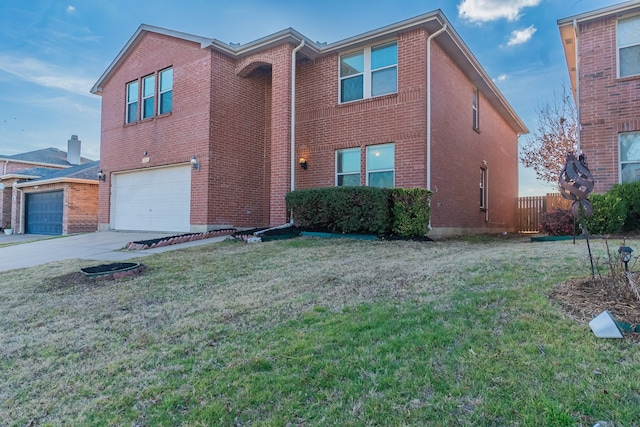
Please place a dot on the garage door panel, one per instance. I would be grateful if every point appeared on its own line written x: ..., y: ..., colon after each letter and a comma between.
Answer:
x: 157, y: 199
x: 44, y: 213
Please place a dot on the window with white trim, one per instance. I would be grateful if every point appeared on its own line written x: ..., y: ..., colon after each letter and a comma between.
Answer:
x: 348, y: 167
x: 629, y: 144
x: 475, y: 102
x: 628, y: 39
x: 148, y: 96
x: 369, y: 72
x: 381, y: 165
x: 483, y: 188
x: 132, y: 102
x: 166, y: 91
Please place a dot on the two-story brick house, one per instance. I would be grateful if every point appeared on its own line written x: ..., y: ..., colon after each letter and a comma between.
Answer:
x: 198, y: 134
x: 602, y: 49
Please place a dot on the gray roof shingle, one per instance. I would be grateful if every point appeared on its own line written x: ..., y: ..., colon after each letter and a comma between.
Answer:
x: 49, y: 155
x: 85, y: 171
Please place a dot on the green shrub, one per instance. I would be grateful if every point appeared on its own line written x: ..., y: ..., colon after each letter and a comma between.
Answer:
x: 341, y: 209
x: 558, y: 222
x: 366, y: 210
x: 410, y: 211
x: 630, y: 194
x: 609, y: 213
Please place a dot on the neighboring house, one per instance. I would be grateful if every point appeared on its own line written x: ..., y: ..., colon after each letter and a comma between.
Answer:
x: 602, y: 49
x: 198, y: 134
x: 49, y: 191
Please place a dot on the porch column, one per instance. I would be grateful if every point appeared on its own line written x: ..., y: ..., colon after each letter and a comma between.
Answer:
x: 280, y: 135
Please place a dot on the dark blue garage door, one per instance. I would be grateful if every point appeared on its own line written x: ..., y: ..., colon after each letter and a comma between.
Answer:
x: 44, y: 213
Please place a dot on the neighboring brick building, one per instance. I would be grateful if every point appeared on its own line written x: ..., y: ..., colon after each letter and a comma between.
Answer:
x: 198, y: 134
x: 49, y: 191
x: 602, y: 49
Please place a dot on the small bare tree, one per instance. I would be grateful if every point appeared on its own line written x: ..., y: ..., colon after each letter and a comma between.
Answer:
x: 555, y: 136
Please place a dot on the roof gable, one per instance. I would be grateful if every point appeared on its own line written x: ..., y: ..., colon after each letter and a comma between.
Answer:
x: 431, y: 22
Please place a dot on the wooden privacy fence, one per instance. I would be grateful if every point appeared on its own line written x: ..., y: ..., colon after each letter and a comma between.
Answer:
x: 530, y: 209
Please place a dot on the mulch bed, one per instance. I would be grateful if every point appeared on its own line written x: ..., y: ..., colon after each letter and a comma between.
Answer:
x: 293, y: 231
x: 585, y: 298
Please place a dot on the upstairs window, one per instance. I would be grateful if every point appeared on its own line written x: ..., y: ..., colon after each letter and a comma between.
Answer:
x: 166, y: 91
x: 348, y: 167
x: 132, y: 102
x: 148, y: 96
x: 629, y: 46
x: 381, y: 165
x: 476, y: 116
x: 370, y: 72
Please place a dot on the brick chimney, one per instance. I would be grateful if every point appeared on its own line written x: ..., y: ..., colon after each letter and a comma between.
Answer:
x: 73, y: 150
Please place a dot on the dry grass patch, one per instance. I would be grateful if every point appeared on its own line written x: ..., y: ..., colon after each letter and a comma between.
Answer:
x: 169, y: 345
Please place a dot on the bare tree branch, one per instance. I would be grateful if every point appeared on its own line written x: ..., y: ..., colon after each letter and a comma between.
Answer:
x: 556, y: 135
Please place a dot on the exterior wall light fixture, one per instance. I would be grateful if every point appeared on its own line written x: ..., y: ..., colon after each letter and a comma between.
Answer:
x: 303, y: 163
x: 102, y: 176
x: 195, y: 164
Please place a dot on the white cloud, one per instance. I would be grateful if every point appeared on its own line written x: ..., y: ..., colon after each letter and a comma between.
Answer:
x: 502, y: 77
x: 491, y: 10
x: 44, y: 74
x: 70, y: 9
x: 521, y: 36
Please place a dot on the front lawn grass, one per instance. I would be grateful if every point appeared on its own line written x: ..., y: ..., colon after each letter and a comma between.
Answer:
x: 314, y: 332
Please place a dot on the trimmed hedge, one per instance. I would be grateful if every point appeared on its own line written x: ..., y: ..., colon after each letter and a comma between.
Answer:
x: 410, y: 211
x: 365, y: 210
x: 609, y: 213
x: 630, y: 194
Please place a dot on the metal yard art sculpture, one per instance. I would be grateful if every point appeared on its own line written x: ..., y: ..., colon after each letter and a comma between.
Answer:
x: 576, y: 183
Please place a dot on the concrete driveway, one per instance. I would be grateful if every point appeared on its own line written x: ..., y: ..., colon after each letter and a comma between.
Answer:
x: 30, y: 250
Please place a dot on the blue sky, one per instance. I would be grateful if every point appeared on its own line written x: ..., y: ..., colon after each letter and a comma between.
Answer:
x: 53, y: 51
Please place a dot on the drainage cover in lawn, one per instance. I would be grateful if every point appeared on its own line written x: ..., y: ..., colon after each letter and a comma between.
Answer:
x: 105, y: 269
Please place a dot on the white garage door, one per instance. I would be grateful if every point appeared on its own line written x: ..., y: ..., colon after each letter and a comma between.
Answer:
x: 153, y: 200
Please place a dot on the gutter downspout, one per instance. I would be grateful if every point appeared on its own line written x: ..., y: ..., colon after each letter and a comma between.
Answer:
x: 293, y: 114
x: 575, y: 32
x: 437, y: 33
x: 21, y: 212
x: 293, y: 122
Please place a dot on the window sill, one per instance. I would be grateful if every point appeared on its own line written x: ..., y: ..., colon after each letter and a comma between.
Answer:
x: 364, y: 100
x: 148, y: 119
x: 627, y: 78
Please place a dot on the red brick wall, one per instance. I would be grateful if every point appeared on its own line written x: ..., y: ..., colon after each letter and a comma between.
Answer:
x: 81, y: 208
x: 324, y: 126
x: 608, y: 105
x: 239, y: 112
x: 458, y: 152
x: 168, y: 139
x: 5, y: 205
